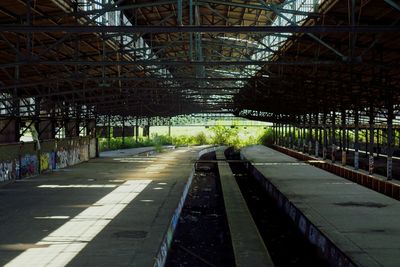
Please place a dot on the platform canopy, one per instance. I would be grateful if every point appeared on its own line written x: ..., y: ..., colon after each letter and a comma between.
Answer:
x: 166, y: 58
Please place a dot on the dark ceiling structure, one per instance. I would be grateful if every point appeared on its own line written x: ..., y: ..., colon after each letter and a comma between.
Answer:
x: 139, y: 58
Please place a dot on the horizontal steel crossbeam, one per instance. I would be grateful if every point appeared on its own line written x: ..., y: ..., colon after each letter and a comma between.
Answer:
x: 204, y: 29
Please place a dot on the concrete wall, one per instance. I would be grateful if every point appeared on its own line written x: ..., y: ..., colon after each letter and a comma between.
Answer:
x: 28, y: 159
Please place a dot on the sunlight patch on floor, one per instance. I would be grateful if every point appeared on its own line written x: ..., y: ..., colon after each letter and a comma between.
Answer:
x: 62, y: 245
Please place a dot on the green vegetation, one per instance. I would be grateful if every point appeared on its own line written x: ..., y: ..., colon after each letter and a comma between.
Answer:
x: 267, y: 138
x: 235, y: 136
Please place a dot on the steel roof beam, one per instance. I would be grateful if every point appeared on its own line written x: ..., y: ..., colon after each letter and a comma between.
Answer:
x: 166, y: 62
x: 202, y: 29
x: 259, y: 7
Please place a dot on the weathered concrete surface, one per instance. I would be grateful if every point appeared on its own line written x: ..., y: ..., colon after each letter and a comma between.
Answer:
x: 248, y: 245
x: 131, y: 151
x: 364, y: 224
x: 131, y: 238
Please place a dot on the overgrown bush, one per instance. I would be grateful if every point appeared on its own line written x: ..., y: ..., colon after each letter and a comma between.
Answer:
x: 201, y: 139
x: 223, y: 135
x: 267, y: 138
x: 220, y: 135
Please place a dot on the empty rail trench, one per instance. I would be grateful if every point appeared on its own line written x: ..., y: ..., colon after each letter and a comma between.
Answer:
x: 286, y: 245
x: 202, y: 236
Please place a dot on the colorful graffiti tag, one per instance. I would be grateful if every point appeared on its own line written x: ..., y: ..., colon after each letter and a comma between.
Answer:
x: 73, y: 156
x: 44, y: 162
x: 53, y: 159
x: 62, y: 158
x: 29, y: 165
x: 9, y: 170
x: 47, y: 161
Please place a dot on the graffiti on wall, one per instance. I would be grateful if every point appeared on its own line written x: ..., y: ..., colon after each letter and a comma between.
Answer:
x: 47, y: 161
x: 62, y: 158
x: 9, y: 170
x: 73, y: 156
x: 83, y: 153
x: 44, y: 162
x: 29, y: 165
x: 53, y: 160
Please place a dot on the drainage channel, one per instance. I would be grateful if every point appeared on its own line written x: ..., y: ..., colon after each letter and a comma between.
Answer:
x: 285, y: 243
x: 202, y: 236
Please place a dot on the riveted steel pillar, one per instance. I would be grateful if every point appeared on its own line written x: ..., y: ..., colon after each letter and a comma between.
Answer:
x: 325, y: 147
x: 316, y: 135
x: 343, y: 146
x: 310, y: 136
x: 371, y: 141
x: 304, y: 132
x: 389, y: 171
x: 356, y: 139
x: 333, y: 155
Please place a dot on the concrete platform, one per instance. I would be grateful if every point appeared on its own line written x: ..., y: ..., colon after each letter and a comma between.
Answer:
x: 113, y: 211
x: 132, y: 151
x: 248, y: 246
x: 352, y: 225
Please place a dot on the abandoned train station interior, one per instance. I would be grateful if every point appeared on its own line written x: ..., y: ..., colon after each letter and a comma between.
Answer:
x: 248, y: 133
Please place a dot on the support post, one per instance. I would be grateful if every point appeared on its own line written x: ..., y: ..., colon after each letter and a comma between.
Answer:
x: 389, y: 172
x: 333, y: 155
x: 366, y: 143
x: 356, y: 139
x: 137, y: 130
x: 304, y: 132
x: 371, y: 141
x: 343, y: 148
x: 378, y: 141
x: 316, y: 135
x: 325, y: 147
x: 169, y: 127
x: 109, y: 132
x: 123, y: 131
x: 290, y: 135
x: 310, y: 136
x: 299, y: 136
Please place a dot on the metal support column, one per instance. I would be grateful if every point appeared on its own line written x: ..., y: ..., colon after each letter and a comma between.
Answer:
x: 389, y: 173
x: 310, y: 136
x: 371, y: 141
x: 290, y: 135
x: 279, y: 134
x: 137, y: 130
x: 273, y: 133
x: 190, y: 34
x: 298, y: 134
x: 356, y: 139
x: 286, y: 135
x: 123, y: 131
x: 169, y: 127
x: 109, y: 132
x: 325, y: 147
x: 378, y: 141
x: 148, y: 129
x: 366, y: 143
x: 333, y: 152
x: 316, y: 135
x: 343, y: 146
x: 304, y: 132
